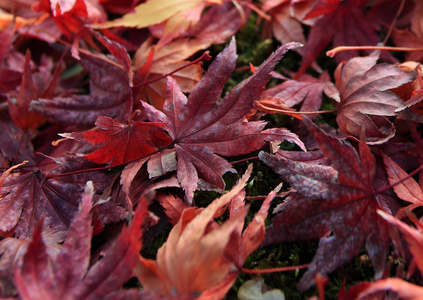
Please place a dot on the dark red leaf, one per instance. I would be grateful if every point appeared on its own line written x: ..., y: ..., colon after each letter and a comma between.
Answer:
x: 49, y: 194
x: 110, y: 91
x: 67, y: 276
x: 202, y: 127
x: 344, y: 23
x: 338, y: 199
x: 19, y: 108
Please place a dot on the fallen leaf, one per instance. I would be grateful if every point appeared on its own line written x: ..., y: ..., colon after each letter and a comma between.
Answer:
x: 29, y: 195
x: 285, y: 27
x: 71, y: 16
x: 405, y: 290
x: 152, y: 61
x: 366, y: 101
x: 173, y: 207
x: 307, y: 90
x: 153, y: 12
x: 253, y: 290
x: 68, y: 275
x: 119, y: 143
x: 110, y: 91
x: 191, y: 261
x: 345, y: 24
x: 404, y: 186
x: 201, y: 127
x: 19, y: 108
x: 338, y: 199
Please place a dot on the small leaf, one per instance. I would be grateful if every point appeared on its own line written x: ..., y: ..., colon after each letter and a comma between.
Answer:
x: 119, y: 143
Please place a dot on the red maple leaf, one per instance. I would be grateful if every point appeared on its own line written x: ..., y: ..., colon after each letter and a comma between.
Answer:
x: 71, y: 16
x: 338, y: 199
x: 365, y: 97
x: 306, y: 90
x: 344, y: 23
x: 119, y: 143
x: 404, y: 289
x: 404, y: 186
x: 202, y: 126
x: 110, y: 90
x: 68, y: 275
x: 31, y: 194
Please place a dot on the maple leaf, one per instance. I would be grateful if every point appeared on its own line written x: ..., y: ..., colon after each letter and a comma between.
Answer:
x: 405, y: 290
x: 119, y: 143
x: 110, y: 86
x: 342, y: 22
x: 173, y: 207
x: 201, y: 127
x: 71, y: 16
x: 285, y: 27
x: 244, y: 241
x: 152, y: 61
x: 411, y: 37
x: 16, y: 145
x: 28, y: 91
x: 365, y: 97
x: 307, y: 89
x: 27, y: 196
x: 68, y: 276
x: 137, y: 182
x: 338, y: 199
x: 404, y: 186
x: 191, y: 261
x: 256, y: 289
x: 219, y: 22
x: 153, y: 12
x: 13, y: 250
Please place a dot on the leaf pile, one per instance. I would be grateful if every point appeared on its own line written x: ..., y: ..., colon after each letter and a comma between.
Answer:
x: 115, y: 130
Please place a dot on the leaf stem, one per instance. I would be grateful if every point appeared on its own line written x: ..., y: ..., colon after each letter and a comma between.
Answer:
x: 411, y: 174
x: 274, y: 270
x: 394, y: 21
x: 332, y: 52
x: 292, y: 112
x: 244, y: 160
x: 101, y: 57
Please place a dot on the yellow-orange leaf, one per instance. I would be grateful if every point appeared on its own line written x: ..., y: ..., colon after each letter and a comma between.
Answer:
x: 154, y: 12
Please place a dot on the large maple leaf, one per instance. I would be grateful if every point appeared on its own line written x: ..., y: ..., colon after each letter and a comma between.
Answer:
x: 191, y: 261
x: 339, y: 199
x: 68, y: 275
x: 203, y: 126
